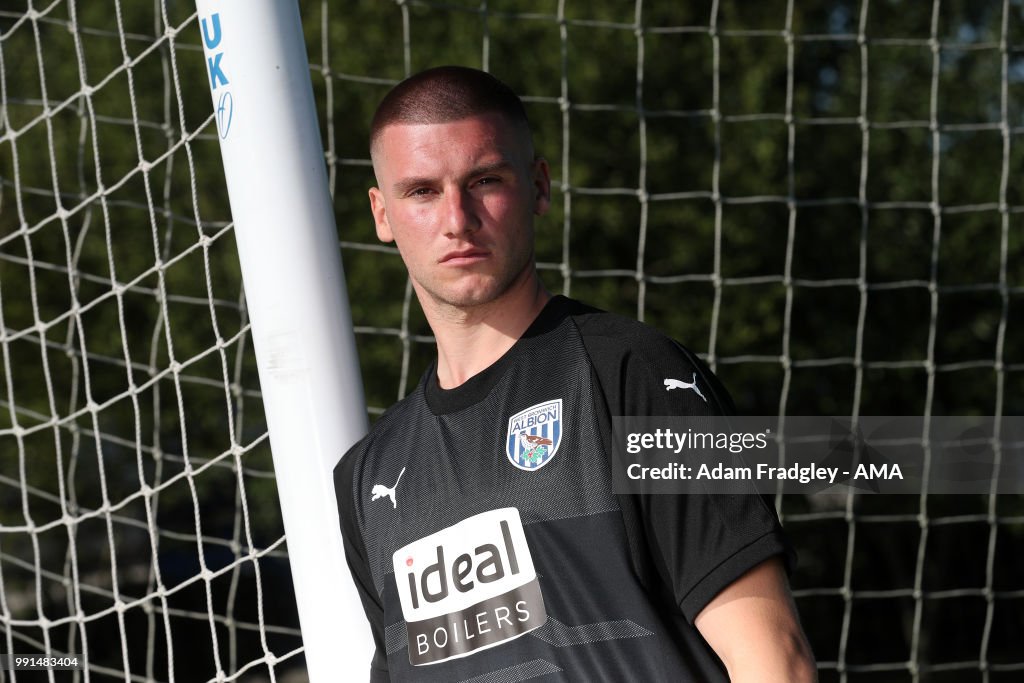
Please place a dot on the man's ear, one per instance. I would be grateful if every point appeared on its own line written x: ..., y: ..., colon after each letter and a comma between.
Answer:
x: 541, y: 186
x: 380, y: 215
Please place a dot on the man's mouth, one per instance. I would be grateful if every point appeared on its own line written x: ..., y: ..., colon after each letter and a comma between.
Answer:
x: 464, y: 256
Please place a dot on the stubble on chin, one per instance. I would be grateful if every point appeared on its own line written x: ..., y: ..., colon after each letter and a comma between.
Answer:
x: 453, y: 300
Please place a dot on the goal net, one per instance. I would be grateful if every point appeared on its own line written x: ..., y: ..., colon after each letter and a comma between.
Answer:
x: 820, y: 198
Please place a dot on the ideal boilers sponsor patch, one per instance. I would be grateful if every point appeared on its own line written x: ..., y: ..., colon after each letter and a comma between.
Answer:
x: 468, y: 587
x: 534, y: 435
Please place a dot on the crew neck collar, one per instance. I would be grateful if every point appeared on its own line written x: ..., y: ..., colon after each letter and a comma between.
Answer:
x: 476, y: 388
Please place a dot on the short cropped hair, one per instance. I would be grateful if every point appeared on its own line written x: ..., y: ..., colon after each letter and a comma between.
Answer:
x: 447, y: 93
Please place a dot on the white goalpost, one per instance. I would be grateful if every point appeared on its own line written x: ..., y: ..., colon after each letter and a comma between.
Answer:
x: 296, y: 297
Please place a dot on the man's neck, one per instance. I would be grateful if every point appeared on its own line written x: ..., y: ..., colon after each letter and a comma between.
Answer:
x: 470, y: 340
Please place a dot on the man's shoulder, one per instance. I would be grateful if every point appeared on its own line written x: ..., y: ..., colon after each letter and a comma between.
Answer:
x: 610, y: 336
x: 392, y: 422
x: 594, y: 322
x: 630, y: 356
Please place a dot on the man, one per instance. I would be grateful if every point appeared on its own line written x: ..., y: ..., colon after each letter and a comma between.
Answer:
x: 478, y: 516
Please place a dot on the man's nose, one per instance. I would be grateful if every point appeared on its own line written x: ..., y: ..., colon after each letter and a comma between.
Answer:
x: 462, y: 218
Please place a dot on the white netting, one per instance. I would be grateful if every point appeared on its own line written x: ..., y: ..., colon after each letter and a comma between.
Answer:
x: 140, y: 523
x: 818, y: 197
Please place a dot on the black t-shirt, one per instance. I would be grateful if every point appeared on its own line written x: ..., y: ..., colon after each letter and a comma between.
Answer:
x: 484, y: 538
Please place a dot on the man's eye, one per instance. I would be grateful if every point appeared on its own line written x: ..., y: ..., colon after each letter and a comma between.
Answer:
x: 420, y: 192
x: 488, y: 180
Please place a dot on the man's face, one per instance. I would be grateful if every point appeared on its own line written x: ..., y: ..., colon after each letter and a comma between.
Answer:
x: 458, y: 199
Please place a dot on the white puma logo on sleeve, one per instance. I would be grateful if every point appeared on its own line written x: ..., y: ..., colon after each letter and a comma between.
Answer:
x: 671, y: 384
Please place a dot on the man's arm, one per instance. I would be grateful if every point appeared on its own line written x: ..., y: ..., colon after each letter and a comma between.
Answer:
x: 717, y: 556
x: 752, y: 626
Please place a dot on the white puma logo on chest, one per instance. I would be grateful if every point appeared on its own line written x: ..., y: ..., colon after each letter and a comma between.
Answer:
x: 380, y: 490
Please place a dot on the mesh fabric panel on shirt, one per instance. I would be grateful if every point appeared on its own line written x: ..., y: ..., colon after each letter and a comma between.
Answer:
x: 517, y: 673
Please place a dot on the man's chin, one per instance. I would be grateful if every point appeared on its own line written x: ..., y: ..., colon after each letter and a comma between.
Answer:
x: 473, y: 290
x: 470, y: 297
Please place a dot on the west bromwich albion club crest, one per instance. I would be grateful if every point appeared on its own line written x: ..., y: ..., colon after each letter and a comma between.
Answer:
x: 534, y: 435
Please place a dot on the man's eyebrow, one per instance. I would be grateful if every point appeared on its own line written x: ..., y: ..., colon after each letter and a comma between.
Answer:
x: 405, y: 185
x: 493, y: 167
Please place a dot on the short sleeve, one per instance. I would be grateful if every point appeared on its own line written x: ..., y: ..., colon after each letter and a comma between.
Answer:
x: 690, y: 546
